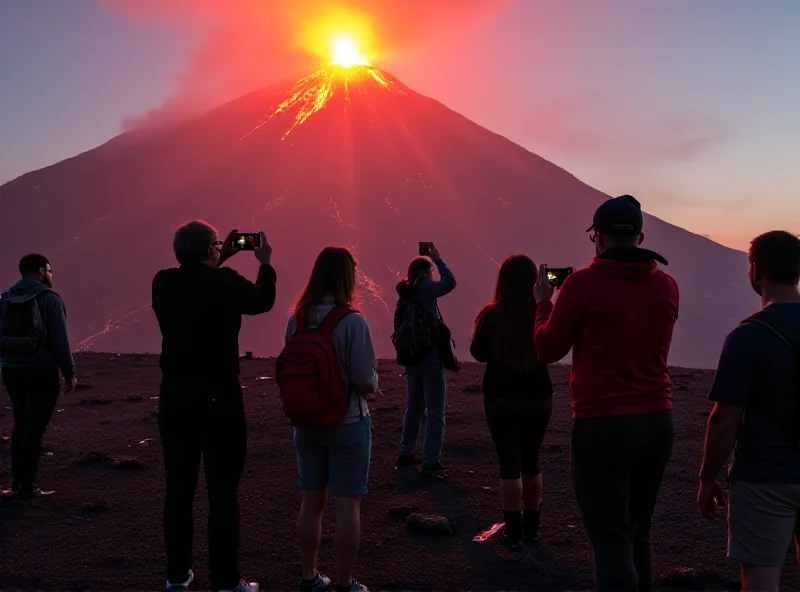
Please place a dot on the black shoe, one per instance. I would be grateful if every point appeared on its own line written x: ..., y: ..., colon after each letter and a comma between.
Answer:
x: 434, y: 468
x: 530, y: 525
x: 407, y: 460
x: 29, y: 491
x: 511, y: 542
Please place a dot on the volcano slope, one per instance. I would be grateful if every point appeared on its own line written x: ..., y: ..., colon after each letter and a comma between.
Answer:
x: 102, y: 529
x: 344, y: 156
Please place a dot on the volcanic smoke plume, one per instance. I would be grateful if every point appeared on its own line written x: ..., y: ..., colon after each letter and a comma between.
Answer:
x: 347, y: 156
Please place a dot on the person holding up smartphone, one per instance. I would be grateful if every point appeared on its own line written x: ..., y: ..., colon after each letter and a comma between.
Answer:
x: 619, y: 314
x: 199, y: 307
x: 417, y: 321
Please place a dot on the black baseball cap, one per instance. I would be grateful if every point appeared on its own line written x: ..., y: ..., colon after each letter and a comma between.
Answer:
x: 618, y: 216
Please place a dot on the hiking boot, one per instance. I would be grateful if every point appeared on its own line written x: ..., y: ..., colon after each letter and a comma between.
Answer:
x: 434, y: 468
x: 182, y: 587
x: 530, y: 525
x: 243, y: 587
x: 319, y: 584
x: 407, y: 460
x: 510, y: 541
x: 512, y: 530
x: 31, y: 491
x: 354, y: 587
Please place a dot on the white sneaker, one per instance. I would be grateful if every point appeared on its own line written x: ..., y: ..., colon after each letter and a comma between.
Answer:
x: 244, y: 587
x: 180, y: 587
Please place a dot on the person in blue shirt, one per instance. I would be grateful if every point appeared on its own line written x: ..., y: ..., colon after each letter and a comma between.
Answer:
x: 425, y: 382
x: 755, y: 395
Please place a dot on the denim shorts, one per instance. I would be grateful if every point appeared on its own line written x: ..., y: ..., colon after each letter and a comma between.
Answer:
x: 336, y: 457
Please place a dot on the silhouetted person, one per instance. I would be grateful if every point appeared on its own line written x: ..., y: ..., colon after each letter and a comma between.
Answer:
x: 335, y: 458
x: 426, y: 381
x: 518, y: 395
x: 618, y: 316
x: 756, y: 394
x: 199, y: 307
x: 34, y: 345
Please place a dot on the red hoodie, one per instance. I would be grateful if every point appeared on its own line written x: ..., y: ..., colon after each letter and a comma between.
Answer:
x: 617, y: 315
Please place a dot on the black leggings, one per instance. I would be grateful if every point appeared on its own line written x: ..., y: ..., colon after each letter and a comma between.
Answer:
x: 518, y: 427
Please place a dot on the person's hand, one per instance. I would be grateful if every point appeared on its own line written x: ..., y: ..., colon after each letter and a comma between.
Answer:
x: 434, y: 254
x: 263, y: 250
x: 69, y: 385
x: 543, y: 291
x: 709, y: 498
x: 228, y: 249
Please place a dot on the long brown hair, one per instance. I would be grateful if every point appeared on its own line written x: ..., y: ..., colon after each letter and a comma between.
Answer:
x: 333, y: 274
x: 510, y: 315
x: 418, y: 268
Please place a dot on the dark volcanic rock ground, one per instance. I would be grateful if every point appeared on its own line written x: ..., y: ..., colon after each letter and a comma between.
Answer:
x: 102, y: 530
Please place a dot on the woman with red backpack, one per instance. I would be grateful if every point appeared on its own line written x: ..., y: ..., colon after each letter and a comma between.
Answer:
x: 324, y: 374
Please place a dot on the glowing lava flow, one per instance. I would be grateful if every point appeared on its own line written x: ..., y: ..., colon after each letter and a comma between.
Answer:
x: 313, y: 93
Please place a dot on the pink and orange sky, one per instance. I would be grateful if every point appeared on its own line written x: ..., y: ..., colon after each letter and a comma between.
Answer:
x: 690, y: 106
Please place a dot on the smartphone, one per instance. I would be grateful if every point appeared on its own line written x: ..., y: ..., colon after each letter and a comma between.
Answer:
x: 246, y: 241
x: 557, y: 275
x: 425, y: 249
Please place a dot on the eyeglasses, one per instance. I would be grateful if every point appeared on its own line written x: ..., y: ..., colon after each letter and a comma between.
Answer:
x: 593, y: 237
x: 217, y: 243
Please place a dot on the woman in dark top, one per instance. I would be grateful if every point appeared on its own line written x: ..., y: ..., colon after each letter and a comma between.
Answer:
x: 518, y: 395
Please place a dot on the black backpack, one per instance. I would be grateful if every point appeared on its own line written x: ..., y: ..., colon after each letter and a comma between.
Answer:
x: 789, y: 334
x: 413, y: 335
x: 22, y: 331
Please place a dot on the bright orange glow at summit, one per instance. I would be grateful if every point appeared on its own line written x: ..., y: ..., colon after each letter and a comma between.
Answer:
x: 345, y: 53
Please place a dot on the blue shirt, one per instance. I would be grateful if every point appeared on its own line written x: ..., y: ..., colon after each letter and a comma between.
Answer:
x: 756, y: 371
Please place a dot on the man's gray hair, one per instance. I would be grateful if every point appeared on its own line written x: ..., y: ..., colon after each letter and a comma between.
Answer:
x: 192, y: 241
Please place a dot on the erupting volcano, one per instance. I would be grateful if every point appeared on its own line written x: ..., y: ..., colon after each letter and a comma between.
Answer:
x: 348, y: 155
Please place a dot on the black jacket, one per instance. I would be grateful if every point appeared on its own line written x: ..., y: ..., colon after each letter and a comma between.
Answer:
x: 199, y: 311
x: 499, y: 382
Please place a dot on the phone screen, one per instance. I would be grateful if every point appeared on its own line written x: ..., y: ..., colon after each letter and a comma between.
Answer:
x: 246, y: 241
x: 557, y: 275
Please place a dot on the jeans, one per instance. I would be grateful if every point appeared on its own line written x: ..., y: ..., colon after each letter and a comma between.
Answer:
x: 617, y: 466
x: 202, y: 421
x: 426, y: 388
x: 33, y: 393
x: 336, y: 457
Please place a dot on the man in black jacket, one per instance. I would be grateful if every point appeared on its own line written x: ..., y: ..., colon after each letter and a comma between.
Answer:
x: 199, y: 307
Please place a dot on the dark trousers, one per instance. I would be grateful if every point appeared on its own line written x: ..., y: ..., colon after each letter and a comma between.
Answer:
x: 518, y: 427
x: 34, y: 393
x: 202, y: 420
x: 617, y: 466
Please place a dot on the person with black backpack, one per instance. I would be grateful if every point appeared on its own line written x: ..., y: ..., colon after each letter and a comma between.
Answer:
x: 34, y: 346
x: 517, y: 395
x: 421, y: 340
x: 324, y: 374
x: 756, y: 394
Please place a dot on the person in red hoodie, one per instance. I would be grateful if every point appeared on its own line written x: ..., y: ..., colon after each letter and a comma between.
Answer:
x: 617, y: 316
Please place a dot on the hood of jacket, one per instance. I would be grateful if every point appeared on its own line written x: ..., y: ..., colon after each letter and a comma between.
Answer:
x: 27, y: 287
x: 629, y: 263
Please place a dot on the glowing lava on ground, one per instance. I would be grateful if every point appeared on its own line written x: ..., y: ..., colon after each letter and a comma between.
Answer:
x: 314, y: 92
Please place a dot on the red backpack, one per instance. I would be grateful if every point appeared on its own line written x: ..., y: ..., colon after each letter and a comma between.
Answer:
x: 309, y: 377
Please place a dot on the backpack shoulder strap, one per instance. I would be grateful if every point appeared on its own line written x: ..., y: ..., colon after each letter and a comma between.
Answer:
x: 334, y: 317
x: 300, y: 325
x: 784, y: 329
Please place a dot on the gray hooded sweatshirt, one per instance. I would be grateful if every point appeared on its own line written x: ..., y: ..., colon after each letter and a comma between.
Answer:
x: 56, y: 351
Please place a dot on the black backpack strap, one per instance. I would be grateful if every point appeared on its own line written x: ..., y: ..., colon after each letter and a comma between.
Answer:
x: 784, y: 329
x: 790, y: 335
